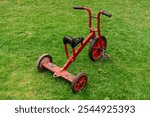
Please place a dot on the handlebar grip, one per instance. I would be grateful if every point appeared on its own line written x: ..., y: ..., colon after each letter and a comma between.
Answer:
x: 78, y: 8
x: 106, y: 13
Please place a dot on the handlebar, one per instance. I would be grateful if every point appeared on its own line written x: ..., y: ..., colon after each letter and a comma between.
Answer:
x: 78, y: 8
x: 82, y: 8
x: 90, y: 16
x: 106, y: 13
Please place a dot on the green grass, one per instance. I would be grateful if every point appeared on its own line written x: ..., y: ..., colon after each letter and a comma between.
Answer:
x: 29, y: 28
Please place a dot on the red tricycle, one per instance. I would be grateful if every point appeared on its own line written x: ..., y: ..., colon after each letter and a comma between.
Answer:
x: 97, y: 47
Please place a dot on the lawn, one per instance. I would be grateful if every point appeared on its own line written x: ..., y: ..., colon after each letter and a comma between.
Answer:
x: 30, y: 28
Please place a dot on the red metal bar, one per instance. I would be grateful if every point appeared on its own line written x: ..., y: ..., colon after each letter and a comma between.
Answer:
x: 66, y: 51
x: 73, y: 53
x: 72, y: 58
x: 98, y: 23
x: 90, y: 16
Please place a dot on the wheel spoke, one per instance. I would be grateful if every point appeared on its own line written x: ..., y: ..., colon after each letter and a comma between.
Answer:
x: 95, y: 48
x: 80, y: 84
x: 96, y: 54
x: 99, y: 43
x: 77, y: 87
x: 95, y: 51
x: 100, y: 53
x: 82, y: 79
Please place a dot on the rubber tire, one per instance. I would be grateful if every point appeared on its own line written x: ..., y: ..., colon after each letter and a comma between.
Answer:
x: 75, y: 81
x: 40, y: 62
x: 92, y: 46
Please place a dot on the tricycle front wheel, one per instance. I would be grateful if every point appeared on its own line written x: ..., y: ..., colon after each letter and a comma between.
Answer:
x: 97, y: 47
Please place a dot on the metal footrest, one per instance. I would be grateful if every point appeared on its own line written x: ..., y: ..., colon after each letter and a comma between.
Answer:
x: 58, y: 71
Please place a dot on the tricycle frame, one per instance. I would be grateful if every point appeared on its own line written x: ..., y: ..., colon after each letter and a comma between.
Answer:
x: 45, y: 62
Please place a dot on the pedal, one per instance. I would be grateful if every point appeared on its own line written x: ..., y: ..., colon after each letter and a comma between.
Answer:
x: 105, y: 56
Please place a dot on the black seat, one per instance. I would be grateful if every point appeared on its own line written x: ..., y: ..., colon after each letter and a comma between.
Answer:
x: 72, y: 41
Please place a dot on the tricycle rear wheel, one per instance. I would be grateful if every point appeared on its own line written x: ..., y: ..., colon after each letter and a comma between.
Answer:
x: 45, y: 58
x: 79, y: 82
